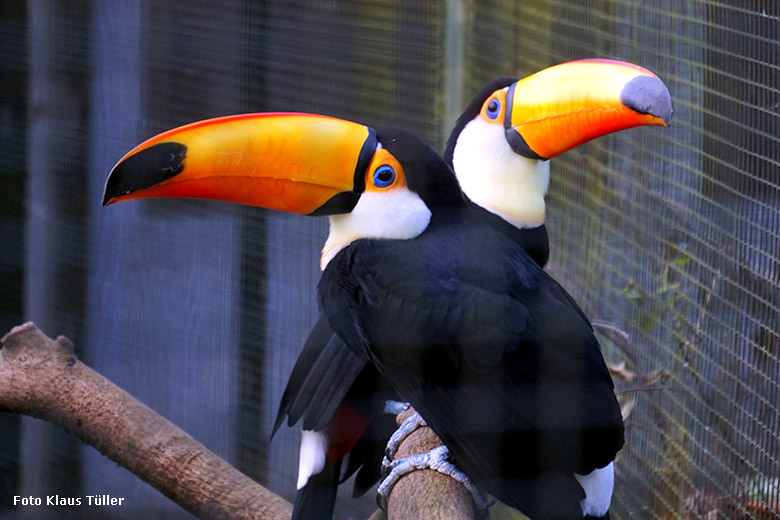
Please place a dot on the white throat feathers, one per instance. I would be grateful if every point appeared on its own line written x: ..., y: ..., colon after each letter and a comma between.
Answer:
x: 396, y: 213
x: 492, y: 175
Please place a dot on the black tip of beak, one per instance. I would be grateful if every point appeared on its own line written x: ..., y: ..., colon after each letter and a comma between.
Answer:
x: 648, y: 95
x: 144, y: 169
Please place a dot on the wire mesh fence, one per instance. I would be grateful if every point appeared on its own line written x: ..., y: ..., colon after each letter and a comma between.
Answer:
x: 670, y: 239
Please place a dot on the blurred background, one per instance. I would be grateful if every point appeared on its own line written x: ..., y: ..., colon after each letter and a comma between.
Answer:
x: 669, y: 238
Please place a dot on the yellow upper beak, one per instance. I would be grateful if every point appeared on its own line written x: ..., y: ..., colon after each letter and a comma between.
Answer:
x: 566, y: 105
x: 299, y: 163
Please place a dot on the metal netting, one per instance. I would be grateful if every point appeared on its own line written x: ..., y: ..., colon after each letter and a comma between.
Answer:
x: 669, y: 238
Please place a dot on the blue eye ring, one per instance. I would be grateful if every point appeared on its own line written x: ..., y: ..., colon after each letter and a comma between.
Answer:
x: 493, y: 108
x: 384, y: 176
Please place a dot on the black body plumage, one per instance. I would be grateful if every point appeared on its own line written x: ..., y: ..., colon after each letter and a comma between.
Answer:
x: 491, y: 353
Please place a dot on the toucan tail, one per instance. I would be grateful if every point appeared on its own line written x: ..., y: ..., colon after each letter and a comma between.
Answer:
x: 316, y: 500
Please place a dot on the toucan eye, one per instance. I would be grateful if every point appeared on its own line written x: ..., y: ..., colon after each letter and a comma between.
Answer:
x: 493, y: 108
x: 384, y: 176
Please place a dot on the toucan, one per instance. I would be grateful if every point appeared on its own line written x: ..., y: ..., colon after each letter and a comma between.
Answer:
x: 498, y: 149
x: 185, y: 162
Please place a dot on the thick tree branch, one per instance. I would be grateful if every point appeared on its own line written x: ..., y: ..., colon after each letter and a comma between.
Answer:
x: 43, y: 378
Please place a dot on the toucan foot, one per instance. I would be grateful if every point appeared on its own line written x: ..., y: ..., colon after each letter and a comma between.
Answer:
x: 437, y: 459
x: 408, y: 426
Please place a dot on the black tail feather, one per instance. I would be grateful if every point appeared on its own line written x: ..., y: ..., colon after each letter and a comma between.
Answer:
x: 316, y: 500
x: 366, y: 456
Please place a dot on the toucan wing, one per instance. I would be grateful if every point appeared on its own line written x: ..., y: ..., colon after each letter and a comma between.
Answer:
x: 322, y: 376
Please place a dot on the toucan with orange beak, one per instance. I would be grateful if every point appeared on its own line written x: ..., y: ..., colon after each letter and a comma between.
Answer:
x: 436, y: 292
x: 553, y: 110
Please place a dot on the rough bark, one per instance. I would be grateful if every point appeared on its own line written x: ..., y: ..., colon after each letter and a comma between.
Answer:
x: 43, y: 378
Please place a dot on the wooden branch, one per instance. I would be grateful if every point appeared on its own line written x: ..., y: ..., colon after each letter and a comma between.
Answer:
x: 43, y: 378
x: 426, y: 493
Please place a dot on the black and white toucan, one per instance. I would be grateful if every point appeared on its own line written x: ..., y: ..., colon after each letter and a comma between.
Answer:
x: 553, y: 110
x: 289, y: 162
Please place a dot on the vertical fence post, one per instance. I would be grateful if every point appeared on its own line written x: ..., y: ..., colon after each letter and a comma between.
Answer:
x: 48, y: 241
x: 163, y: 296
x: 453, y: 64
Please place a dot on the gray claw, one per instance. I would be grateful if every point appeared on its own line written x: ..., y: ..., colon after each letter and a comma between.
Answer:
x: 410, y: 424
x: 394, y: 470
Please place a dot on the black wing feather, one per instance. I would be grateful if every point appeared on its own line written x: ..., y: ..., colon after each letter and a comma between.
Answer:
x: 322, y: 376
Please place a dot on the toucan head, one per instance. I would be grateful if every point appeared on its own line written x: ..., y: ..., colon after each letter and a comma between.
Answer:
x: 372, y: 184
x: 500, y: 144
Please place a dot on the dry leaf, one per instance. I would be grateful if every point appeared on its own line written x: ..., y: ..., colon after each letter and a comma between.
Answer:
x: 620, y: 371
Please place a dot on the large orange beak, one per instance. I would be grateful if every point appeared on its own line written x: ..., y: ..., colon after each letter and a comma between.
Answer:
x: 300, y: 163
x: 566, y: 105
